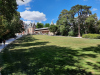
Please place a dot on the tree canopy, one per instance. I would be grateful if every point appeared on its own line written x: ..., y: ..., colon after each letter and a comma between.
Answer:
x: 39, y: 25
x: 79, y: 19
x: 47, y: 25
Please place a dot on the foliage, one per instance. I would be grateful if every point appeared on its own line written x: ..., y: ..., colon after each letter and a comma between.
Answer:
x: 53, y: 28
x: 79, y: 22
x: 58, y: 30
x: 8, y: 8
x: 47, y: 25
x: 10, y: 22
x: 82, y: 11
x: 91, y: 23
x: 63, y: 17
x: 97, y: 27
x: 91, y: 36
x: 8, y: 29
x: 71, y: 33
x: 63, y: 30
x: 39, y: 25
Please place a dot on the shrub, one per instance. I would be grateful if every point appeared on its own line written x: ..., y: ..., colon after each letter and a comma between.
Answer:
x: 91, y: 36
x: 71, y: 33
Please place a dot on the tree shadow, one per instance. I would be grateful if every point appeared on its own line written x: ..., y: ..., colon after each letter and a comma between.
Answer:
x: 95, y: 66
x: 94, y: 49
x: 44, y: 60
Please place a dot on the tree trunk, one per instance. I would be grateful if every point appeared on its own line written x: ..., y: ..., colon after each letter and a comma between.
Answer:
x: 79, y: 30
x: 78, y: 26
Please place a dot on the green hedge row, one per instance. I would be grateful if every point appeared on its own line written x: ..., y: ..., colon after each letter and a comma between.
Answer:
x: 91, y: 36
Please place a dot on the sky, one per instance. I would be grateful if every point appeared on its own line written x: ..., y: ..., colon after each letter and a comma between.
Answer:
x: 45, y: 11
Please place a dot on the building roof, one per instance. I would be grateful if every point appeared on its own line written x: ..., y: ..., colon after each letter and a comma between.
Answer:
x: 42, y: 28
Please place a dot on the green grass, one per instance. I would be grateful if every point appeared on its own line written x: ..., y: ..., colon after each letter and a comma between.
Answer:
x: 51, y: 55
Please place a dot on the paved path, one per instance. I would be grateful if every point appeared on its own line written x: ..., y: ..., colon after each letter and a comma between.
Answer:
x: 8, y: 42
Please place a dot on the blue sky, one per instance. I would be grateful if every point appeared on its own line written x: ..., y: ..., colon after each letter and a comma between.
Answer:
x: 45, y: 11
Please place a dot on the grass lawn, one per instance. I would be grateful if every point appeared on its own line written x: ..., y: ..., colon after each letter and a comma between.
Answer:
x: 51, y: 55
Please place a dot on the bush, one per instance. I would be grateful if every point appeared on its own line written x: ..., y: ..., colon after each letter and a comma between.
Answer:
x: 71, y: 33
x: 91, y: 36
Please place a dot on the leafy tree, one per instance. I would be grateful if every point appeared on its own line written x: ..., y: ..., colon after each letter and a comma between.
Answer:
x: 8, y: 8
x: 64, y: 16
x: 39, y: 25
x: 64, y: 28
x: 53, y: 28
x: 47, y: 25
x: 91, y: 23
x: 12, y: 27
x: 98, y: 26
x: 81, y: 10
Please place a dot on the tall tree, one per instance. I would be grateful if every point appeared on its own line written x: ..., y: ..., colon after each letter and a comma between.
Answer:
x: 90, y: 24
x: 8, y: 8
x: 81, y: 11
x: 97, y: 27
x: 64, y: 16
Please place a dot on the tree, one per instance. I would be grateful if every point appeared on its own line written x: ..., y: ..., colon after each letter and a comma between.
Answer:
x: 81, y: 11
x: 10, y: 28
x: 53, y: 28
x: 8, y: 8
x: 64, y: 16
x: 39, y: 25
x: 63, y: 30
x: 47, y: 25
x: 90, y: 23
x: 98, y: 26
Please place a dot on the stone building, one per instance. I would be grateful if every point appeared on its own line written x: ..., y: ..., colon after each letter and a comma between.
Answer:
x: 31, y: 29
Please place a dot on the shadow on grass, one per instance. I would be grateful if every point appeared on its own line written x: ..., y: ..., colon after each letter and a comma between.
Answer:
x: 43, y: 60
x: 94, y: 49
x: 95, y: 66
x: 26, y: 38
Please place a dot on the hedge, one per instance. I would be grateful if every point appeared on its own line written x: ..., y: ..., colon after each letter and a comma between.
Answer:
x: 91, y: 36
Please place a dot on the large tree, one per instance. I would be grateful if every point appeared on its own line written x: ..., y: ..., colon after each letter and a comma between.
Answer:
x: 82, y: 11
x: 63, y: 17
x: 8, y: 8
x: 90, y: 24
x: 10, y: 28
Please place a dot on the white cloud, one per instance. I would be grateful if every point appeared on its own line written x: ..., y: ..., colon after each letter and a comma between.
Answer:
x: 27, y: 8
x: 28, y: 22
x: 19, y: 2
x: 33, y: 15
x: 94, y: 9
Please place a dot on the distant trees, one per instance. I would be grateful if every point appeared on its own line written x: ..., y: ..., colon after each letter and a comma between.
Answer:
x: 47, y: 25
x: 39, y: 25
x: 77, y: 21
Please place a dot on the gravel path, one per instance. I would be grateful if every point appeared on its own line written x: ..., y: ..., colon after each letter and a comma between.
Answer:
x: 8, y: 42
